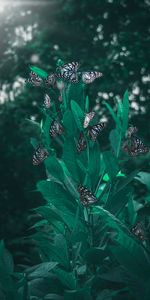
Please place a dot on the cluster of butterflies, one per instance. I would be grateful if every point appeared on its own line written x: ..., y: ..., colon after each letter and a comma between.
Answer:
x: 68, y: 73
x: 133, y: 145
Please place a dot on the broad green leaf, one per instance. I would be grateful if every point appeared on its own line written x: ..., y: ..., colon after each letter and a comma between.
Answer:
x: 144, y: 178
x: 87, y: 104
x: 67, y: 278
x: 78, y: 114
x: 56, y: 195
x: 111, y: 164
x: 69, y: 123
x: 53, y: 297
x: 39, y: 71
x: 59, y: 251
x: 40, y: 270
x: 76, y: 92
x: 46, y: 128
x: 131, y: 253
x: 69, y: 158
x: 94, y: 164
x: 115, y: 140
x: 95, y: 255
x: 54, y: 168
x: 82, y: 294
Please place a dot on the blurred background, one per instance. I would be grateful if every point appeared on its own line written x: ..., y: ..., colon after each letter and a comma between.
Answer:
x: 112, y: 36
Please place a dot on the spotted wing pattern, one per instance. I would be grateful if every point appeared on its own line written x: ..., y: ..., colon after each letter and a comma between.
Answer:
x: 56, y: 129
x: 81, y: 143
x: 89, y: 77
x: 88, y: 118
x: 47, y: 101
x: 34, y: 79
x: 95, y: 130
x: 86, y: 196
x: 39, y: 155
x: 138, y: 231
x: 137, y: 146
x: 68, y: 72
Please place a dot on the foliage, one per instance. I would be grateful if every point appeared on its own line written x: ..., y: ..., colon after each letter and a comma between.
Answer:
x: 86, y: 252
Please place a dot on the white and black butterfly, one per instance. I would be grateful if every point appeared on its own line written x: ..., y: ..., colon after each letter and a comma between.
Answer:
x: 88, y: 118
x: 39, y: 155
x: 68, y: 72
x: 131, y: 130
x: 86, y: 196
x: 50, y: 80
x: 95, y: 130
x: 137, y: 146
x: 34, y: 79
x: 47, y: 101
x: 82, y: 144
x: 138, y: 231
x: 56, y: 129
x: 89, y: 77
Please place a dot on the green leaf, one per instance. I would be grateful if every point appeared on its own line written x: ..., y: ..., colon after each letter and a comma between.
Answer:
x: 144, y: 178
x: 87, y: 104
x: 69, y: 158
x: 67, y: 278
x: 117, y: 121
x: 69, y: 124
x: 94, y: 164
x: 125, y: 112
x: 54, y: 168
x: 95, y: 255
x: 82, y: 294
x: 41, y: 270
x: 115, y: 140
x: 56, y: 195
x: 39, y: 71
x: 111, y: 164
x: 59, y: 251
x: 127, y: 250
x: 46, y: 128
x: 76, y: 92
x: 78, y: 114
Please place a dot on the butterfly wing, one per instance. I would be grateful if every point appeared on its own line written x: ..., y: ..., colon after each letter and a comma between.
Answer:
x: 138, y: 231
x: 86, y: 197
x: 39, y: 155
x: 95, y: 130
x: 68, y: 72
x: 55, y: 129
x: 88, y: 118
x: 81, y: 143
x: 47, y: 101
x: 137, y: 146
x: 89, y: 77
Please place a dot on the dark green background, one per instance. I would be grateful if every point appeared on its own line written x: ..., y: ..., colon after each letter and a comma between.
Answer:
x: 110, y: 36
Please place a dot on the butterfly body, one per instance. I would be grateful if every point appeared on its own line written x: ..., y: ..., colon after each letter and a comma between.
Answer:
x: 39, y: 155
x: 86, y: 196
x: 82, y: 144
x: 56, y: 129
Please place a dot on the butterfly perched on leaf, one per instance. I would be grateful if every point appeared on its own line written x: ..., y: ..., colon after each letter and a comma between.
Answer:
x: 89, y: 77
x: 86, y: 196
x: 134, y: 146
x: 95, y: 130
x: 34, y: 79
x: 138, y: 231
x: 88, y: 118
x: 82, y: 144
x: 50, y: 80
x: 68, y: 72
x: 39, y: 155
x: 47, y: 101
x: 56, y: 129
x: 131, y: 130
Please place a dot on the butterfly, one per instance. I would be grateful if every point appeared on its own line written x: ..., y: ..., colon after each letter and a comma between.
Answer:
x: 88, y: 118
x: 68, y: 72
x: 34, y: 79
x: 138, y: 231
x: 55, y: 129
x: 81, y: 143
x: 131, y: 130
x: 89, y: 77
x: 50, y: 80
x: 137, y: 146
x: 47, y: 101
x: 86, y: 196
x: 95, y: 130
x: 39, y: 155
